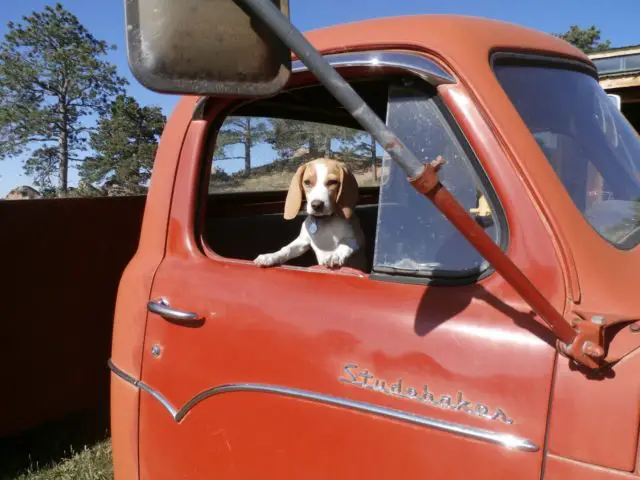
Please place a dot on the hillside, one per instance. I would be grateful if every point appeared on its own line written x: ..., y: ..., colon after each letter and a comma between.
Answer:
x: 277, y: 175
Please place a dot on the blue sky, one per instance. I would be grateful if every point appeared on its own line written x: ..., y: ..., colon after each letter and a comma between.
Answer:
x: 105, y: 19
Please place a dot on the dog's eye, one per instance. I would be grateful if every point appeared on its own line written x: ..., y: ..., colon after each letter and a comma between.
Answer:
x: 307, y: 183
x: 331, y: 182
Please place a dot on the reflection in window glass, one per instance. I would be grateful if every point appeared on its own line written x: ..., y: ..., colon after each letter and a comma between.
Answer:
x: 589, y: 143
x: 413, y: 237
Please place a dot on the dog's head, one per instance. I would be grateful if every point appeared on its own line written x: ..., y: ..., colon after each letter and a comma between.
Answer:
x: 328, y: 186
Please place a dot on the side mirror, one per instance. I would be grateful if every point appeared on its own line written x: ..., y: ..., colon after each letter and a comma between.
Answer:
x: 212, y: 47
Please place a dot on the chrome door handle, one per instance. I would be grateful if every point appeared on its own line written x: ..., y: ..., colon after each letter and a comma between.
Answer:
x: 162, y: 308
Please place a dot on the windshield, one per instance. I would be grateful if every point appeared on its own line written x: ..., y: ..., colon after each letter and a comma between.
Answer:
x: 593, y: 149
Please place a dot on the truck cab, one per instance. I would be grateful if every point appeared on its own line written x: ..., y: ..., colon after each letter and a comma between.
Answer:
x: 428, y: 363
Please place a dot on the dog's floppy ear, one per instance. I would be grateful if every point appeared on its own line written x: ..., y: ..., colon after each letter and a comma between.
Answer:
x: 294, y: 195
x: 348, y: 194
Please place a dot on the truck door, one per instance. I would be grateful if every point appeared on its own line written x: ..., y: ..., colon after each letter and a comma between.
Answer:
x: 425, y: 366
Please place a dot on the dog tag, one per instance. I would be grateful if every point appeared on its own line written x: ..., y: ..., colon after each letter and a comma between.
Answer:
x: 313, y: 228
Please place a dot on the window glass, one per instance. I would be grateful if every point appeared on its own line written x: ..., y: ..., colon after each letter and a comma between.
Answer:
x: 617, y: 64
x: 632, y: 62
x: 413, y: 237
x: 608, y: 65
x: 591, y: 146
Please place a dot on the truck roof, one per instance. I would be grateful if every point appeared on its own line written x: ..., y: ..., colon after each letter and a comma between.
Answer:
x: 462, y: 42
x: 456, y: 37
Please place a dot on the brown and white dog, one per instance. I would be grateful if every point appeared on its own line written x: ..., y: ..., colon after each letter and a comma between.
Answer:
x: 331, y: 228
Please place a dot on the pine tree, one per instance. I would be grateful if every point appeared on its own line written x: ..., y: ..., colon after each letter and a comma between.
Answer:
x: 125, y: 144
x: 245, y: 131
x: 317, y: 138
x: 51, y: 79
x: 586, y: 39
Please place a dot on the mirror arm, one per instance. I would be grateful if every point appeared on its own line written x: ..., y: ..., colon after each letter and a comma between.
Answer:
x: 583, y: 345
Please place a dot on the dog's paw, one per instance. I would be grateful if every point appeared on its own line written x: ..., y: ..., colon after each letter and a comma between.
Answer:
x: 266, y: 260
x: 336, y: 259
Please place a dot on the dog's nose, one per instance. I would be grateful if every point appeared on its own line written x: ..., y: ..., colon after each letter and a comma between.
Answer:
x: 317, y: 205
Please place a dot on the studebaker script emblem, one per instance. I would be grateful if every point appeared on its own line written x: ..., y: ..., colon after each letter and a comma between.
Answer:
x: 355, y: 376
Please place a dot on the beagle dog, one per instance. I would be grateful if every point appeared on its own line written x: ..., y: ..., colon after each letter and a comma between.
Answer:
x: 331, y: 227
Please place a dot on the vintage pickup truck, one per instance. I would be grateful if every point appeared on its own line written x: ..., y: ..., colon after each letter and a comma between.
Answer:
x: 493, y: 341
x: 435, y: 363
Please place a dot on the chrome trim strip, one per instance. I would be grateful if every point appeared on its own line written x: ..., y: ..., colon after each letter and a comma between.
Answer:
x: 143, y: 386
x: 416, y: 64
x: 503, y: 439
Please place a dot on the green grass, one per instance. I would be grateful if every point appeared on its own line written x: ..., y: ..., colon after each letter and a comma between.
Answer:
x: 73, y: 448
x: 92, y: 463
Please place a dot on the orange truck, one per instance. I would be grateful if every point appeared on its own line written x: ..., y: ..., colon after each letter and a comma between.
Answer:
x: 493, y: 333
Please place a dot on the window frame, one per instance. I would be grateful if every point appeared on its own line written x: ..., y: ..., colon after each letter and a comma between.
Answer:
x: 202, y: 112
x: 542, y: 59
x: 405, y: 64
